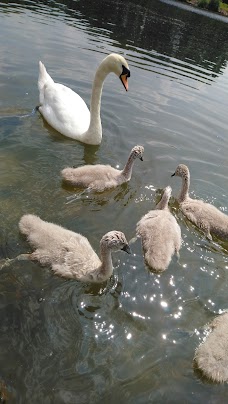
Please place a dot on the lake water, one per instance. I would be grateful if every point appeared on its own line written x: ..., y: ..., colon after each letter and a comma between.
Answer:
x: 131, y: 340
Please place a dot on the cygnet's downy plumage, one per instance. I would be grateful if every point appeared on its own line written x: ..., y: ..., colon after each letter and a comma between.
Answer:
x: 100, y: 177
x: 211, y: 356
x: 70, y: 254
x: 160, y: 234
x: 204, y: 215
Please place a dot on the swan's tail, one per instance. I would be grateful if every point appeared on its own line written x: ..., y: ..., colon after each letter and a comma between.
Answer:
x: 43, y: 79
x: 28, y: 223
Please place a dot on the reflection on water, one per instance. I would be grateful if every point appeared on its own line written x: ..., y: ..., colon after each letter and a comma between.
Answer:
x: 120, y: 341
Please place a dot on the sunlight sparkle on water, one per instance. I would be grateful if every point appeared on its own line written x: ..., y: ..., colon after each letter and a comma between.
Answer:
x: 203, y: 268
x: 171, y: 281
x: 129, y: 336
x: 178, y: 314
x: 142, y: 198
x: 134, y: 314
x: 164, y: 336
x: 151, y: 187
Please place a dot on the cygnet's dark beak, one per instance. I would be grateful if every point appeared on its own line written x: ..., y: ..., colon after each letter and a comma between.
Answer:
x: 126, y: 248
x: 141, y: 158
x: 124, y: 75
x: 173, y: 175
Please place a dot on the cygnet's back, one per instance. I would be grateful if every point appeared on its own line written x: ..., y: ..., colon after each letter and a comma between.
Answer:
x: 68, y: 253
x: 211, y: 356
x: 204, y: 215
x: 100, y: 177
x: 160, y: 234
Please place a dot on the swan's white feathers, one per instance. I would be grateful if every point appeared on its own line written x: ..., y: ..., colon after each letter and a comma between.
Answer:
x: 64, y: 109
x: 43, y: 79
x: 67, y: 112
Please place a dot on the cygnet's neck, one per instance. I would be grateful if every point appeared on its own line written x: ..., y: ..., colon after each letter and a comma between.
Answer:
x: 94, y: 133
x: 127, y: 171
x: 184, y: 188
x: 163, y: 204
x: 106, y: 268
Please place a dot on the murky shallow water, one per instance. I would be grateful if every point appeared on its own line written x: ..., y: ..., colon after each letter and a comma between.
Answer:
x: 132, y: 339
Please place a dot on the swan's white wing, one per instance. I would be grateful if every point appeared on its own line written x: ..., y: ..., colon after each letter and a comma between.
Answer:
x: 65, y: 110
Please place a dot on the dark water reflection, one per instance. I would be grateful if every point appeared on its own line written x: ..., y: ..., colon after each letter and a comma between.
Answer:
x: 132, y: 339
x: 149, y: 25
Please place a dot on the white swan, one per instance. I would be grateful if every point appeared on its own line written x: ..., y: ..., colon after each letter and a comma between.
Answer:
x: 160, y: 234
x: 100, y: 177
x: 204, y: 215
x: 70, y: 254
x: 67, y: 112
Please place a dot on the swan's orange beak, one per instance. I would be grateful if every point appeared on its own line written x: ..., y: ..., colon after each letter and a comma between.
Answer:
x: 123, y: 77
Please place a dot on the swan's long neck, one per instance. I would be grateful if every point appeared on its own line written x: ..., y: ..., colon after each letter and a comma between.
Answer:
x: 94, y: 132
x: 106, y: 269
x: 184, y: 188
x: 127, y: 171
